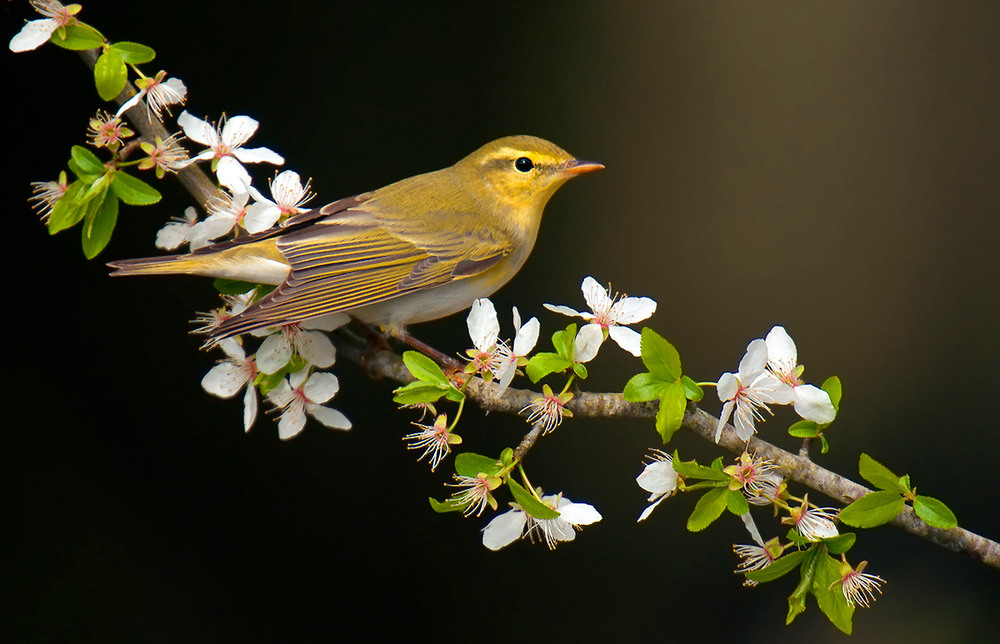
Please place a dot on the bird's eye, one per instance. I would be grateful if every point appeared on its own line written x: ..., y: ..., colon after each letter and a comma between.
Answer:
x: 524, y: 164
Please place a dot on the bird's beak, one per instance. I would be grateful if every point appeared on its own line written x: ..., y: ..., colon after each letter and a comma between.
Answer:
x: 576, y: 167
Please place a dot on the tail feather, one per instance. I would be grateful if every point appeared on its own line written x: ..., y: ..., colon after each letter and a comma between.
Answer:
x: 165, y: 265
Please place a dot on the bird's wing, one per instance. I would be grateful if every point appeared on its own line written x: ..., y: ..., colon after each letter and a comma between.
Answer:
x: 358, y: 256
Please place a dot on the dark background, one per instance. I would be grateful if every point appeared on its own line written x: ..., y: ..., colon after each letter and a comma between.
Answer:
x: 830, y: 166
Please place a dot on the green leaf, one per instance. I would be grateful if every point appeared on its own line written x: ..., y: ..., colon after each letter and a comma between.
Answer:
x: 423, y: 368
x: 874, y: 508
x: 110, y: 74
x: 472, y: 464
x: 529, y: 503
x: 416, y: 393
x: 708, y: 508
x: 841, y: 543
x: 833, y: 387
x: 669, y: 416
x: 99, y: 224
x: 692, y: 389
x: 69, y: 210
x: 659, y: 356
x: 737, y: 503
x: 804, y: 429
x: 691, y: 469
x: 934, y: 512
x: 134, y: 53
x: 87, y: 162
x: 447, y: 505
x: 829, y: 594
x: 642, y: 387
x: 781, y: 567
x: 564, y: 342
x: 543, y: 364
x: 133, y: 190
x: 797, y: 600
x: 580, y: 370
x: 78, y: 37
x: 879, y: 475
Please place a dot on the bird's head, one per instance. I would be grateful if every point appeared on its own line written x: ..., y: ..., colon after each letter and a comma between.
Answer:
x: 520, y: 173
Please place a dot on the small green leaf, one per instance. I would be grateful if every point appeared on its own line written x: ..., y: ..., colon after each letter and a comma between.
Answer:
x: 708, y: 508
x: 737, y: 503
x: 78, y: 37
x: 545, y: 363
x: 642, y: 387
x: 779, y: 568
x: 447, y: 505
x: 69, y: 210
x: 472, y: 464
x: 416, y: 393
x: 529, y: 503
x: 659, y: 356
x: 86, y: 161
x: 829, y: 595
x: 934, y: 512
x: 833, y: 387
x: 110, y: 74
x: 132, y: 190
x: 874, y: 508
x: 669, y: 416
x: 879, y: 475
x: 134, y: 53
x: 580, y: 370
x: 691, y: 469
x: 423, y: 368
x: 841, y: 543
x: 564, y: 342
x: 804, y: 429
x: 99, y: 226
x: 692, y: 389
x: 797, y: 600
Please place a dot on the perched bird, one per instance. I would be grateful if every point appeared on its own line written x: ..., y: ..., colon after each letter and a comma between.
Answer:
x: 416, y: 250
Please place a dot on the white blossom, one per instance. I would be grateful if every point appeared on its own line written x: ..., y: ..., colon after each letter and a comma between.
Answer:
x: 302, y: 394
x: 160, y: 93
x: 228, y: 376
x: 312, y: 346
x: 811, y: 403
x: 225, y: 147
x: 510, y: 526
x: 747, y: 393
x: 289, y: 195
x: 659, y: 478
x: 36, y: 33
x: 525, y: 338
x: 610, y: 314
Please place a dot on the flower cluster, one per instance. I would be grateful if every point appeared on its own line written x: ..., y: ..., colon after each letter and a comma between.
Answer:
x: 768, y: 374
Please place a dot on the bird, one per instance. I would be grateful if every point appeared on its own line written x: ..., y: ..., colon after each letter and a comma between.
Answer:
x: 413, y: 251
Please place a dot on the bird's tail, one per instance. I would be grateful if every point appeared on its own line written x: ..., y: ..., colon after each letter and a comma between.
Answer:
x: 165, y: 265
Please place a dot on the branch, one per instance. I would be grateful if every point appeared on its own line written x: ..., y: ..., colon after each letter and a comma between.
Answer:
x: 607, y: 405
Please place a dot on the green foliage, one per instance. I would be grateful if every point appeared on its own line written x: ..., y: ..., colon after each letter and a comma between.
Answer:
x: 430, y: 384
x: 664, y: 381
x: 134, y: 53
x: 878, y: 508
x: 110, y: 74
x: 545, y: 363
x: 529, y: 503
x: 77, y: 37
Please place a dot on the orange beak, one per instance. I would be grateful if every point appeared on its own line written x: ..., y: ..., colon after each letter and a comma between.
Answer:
x: 576, y: 167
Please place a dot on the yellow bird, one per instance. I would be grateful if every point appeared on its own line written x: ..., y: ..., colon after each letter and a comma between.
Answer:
x: 416, y: 250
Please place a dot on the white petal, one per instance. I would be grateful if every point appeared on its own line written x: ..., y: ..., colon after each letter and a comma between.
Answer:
x: 172, y: 235
x: 33, y: 35
x: 595, y: 295
x: 780, y: 347
x: 504, y: 529
x: 233, y: 349
x: 752, y: 529
x: 659, y: 477
x: 649, y: 509
x: 238, y: 130
x: 526, y: 337
x: 587, y: 343
x: 321, y: 387
x: 328, y: 322
x: 292, y: 422
x: 744, y: 426
x: 232, y: 174
x: 727, y: 387
x: 329, y: 417
x: 316, y: 348
x: 259, y: 155
x: 274, y: 353
x: 261, y: 216
x: 578, y: 513
x: 754, y: 361
x: 224, y: 380
x: 298, y: 378
x: 198, y: 130
x: 483, y: 324
x: 627, y: 339
x: 629, y: 310
x: 812, y: 403
x: 249, y: 408
x: 565, y: 310
x: 127, y: 105
x: 727, y: 411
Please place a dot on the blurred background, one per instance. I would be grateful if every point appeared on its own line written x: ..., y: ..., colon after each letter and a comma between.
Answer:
x: 831, y: 167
